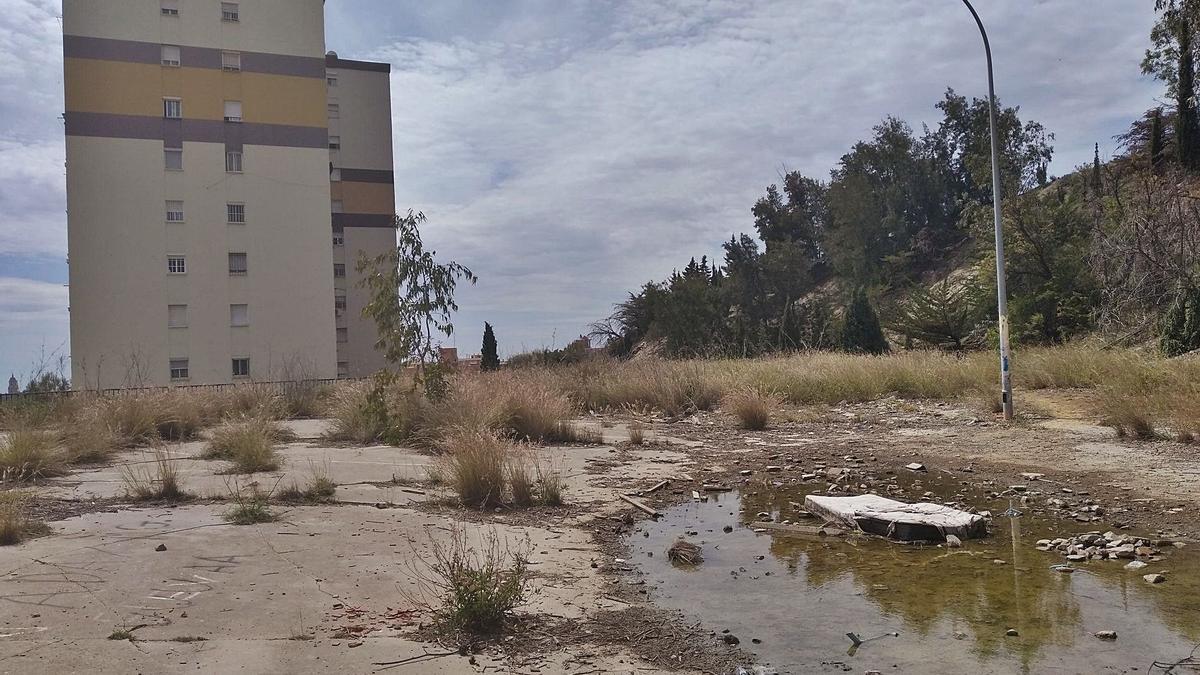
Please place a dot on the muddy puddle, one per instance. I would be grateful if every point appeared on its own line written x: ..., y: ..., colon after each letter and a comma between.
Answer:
x: 790, y: 601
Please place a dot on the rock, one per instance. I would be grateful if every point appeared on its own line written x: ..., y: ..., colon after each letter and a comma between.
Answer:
x: 1011, y: 632
x: 1106, y: 634
x: 745, y: 472
x: 1032, y: 476
x: 730, y: 639
x: 774, y: 469
x: 959, y: 635
x: 1135, y: 565
x: 1154, y: 578
x: 998, y: 561
x: 160, y: 548
x: 1018, y: 488
x: 915, y: 466
x: 953, y: 541
x: 727, y: 529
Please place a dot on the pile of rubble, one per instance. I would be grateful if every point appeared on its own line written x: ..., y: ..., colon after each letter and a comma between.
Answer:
x: 1107, y: 546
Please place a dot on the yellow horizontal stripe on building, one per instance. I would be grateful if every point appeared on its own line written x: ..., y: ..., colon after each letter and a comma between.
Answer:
x: 123, y: 88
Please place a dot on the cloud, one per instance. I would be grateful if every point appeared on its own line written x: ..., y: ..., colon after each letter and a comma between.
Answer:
x: 33, y: 324
x: 568, y: 150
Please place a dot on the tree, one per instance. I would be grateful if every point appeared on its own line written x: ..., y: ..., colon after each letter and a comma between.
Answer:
x: 412, y: 296
x: 1171, y: 59
x: 1096, y: 181
x: 860, y: 328
x: 943, y: 315
x: 490, y: 358
x: 47, y: 382
x: 1157, y: 142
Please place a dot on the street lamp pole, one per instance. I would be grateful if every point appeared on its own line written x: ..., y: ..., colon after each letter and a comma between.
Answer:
x: 1006, y: 398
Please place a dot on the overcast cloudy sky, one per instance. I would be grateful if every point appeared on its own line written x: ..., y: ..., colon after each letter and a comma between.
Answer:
x: 568, y: 151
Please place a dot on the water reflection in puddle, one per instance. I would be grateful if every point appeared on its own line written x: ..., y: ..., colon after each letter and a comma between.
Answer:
x: 951, y: 607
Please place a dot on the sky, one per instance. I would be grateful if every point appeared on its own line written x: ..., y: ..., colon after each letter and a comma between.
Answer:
x: 568, y: 151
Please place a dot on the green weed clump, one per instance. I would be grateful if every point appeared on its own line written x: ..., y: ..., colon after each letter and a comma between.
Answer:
x: 476, y: 585
x: 249, y: 443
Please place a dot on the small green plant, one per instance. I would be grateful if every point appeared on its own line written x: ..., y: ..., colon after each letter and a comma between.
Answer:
x: 319, y: 488
x: 121, y: 634
x: 476, y: 585
x: 249, y: 506
x: 155, y: 480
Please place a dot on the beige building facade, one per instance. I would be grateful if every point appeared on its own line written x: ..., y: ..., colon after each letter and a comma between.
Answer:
x: 199, y: 155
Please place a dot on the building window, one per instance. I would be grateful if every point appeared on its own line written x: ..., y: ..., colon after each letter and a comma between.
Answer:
x: 331, y: 78
x: 241, y: 367
x: 176, y: 316
x: 343, y: 369
x: 235, y: 213
x: 339, y: 271
x: 231, y: 61
x: 179, y: 369
x: 335, y: 142
x: 170, y: 56
x: 176, y: 265
x: 239, y: 315
x: 335, y: 110
x: 339, y: 238
x: 342, y: 335
x: 229, y: 11
x: 337, y: 206
x: 170, y: 7
x: 237, y: 264
x: 172, y: 108
x: 233, y: 161
x: 233, y: 111
x: 339, y: 304
x: 173, y: 159
x: 174, y: 211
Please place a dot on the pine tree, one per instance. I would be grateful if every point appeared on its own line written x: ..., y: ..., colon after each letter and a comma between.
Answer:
x: 860, y: 330
x: 1156, y: 140
x: 490, y: 359
x: 1097, y: 183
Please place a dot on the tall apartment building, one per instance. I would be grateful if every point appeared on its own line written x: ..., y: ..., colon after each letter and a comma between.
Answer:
x: 201, y: 159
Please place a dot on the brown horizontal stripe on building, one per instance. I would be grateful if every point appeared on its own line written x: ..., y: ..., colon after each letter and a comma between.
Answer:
x: 341, y: 220
x: 373, y: 66
x: 171, y: 131
x: 368, y: 175
x: 83, y: 47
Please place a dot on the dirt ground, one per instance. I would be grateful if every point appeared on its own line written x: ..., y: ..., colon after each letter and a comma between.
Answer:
x: 331, y: 587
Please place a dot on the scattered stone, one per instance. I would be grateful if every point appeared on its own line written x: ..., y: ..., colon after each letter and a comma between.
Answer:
x: 1011, y: 632
x: 1154, y: 578
x: 727, y: 529
x: 774, y: 469
x: 745, y: 472
x: 1033, y: 476
x: 160, y: 548
x: 915, y: 466
x: 730, y: 639
x: 959, y: 635
x: 1135, y: 565
x: 953, y: 541
x: 1018, y: 488
x: 1106, y: 634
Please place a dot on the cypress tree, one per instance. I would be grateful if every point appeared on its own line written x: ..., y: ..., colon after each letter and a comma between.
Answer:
x: 1186, y: 128
x: 1097, y: 184
x: 861, y: 331
x: 1156, y: 140
x: 490, y: 358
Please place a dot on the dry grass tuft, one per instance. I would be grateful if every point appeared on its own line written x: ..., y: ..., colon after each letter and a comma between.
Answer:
x: 753, y: 408
x: 637, y: 433
x: 550, y: 485
x: 248, y: 442
x: 155, y: 480
x: 474, y: 464
x: 15, y: 525
x: 520, y: 481
x: 684, y: 553
x: 27, y: 454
